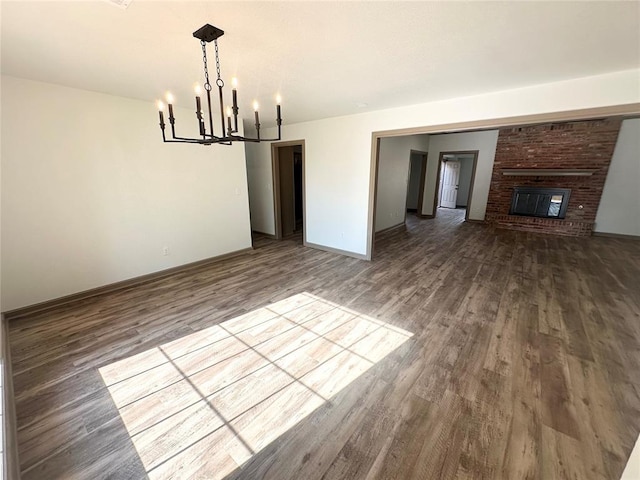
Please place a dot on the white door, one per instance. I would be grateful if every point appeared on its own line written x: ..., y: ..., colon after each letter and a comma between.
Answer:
x: 450, y: 180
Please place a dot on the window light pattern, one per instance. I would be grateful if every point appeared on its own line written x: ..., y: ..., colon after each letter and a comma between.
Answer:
x: 204, y: 404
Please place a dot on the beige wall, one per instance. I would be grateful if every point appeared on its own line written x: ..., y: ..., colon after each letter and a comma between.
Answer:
x: 485, y: 142
x: 260, y: 189
x: 393, y: 178
x: 466, y: 171
x: 338, y: 150
x: 619, y: 209
x: 91, y: 195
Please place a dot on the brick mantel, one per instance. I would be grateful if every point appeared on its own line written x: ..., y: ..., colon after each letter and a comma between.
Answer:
x: 570, y: 146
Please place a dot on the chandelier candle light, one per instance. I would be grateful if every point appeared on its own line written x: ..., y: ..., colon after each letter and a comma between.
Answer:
x: 206, y: 34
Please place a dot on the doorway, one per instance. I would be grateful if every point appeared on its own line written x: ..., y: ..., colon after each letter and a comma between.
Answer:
x: 287, y: 161
x: 456, y: 175
x: 415, y: 183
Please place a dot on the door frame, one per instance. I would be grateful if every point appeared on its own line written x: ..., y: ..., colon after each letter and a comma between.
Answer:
x: 626, y: 111
x: 275, y: 180
x: 423, y: 174
x: 443, y: 174
x: 473, y: 179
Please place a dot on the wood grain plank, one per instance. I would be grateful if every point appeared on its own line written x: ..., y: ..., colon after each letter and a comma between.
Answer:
x: 504, y: 355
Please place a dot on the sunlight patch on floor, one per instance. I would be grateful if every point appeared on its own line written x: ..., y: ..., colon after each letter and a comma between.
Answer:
x: 204, y: 404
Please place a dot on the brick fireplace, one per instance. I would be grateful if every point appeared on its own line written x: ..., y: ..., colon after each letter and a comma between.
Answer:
x: 572, y: 155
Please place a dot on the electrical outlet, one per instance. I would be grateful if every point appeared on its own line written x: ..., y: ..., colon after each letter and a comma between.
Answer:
x: 165, y: 251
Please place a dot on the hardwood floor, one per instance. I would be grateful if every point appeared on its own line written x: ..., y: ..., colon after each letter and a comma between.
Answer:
x: 459, y: 352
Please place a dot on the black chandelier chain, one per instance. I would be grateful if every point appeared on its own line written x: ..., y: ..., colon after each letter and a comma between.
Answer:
x: 207, y: 84
x: 219, y: 81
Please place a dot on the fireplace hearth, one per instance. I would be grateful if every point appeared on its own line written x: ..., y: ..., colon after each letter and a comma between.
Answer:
x: 540, y: 202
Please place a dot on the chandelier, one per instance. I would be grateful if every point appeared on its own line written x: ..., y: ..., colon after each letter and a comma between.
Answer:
x: 206, y: 34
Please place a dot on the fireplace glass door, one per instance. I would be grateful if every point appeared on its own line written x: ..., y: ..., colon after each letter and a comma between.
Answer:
x: 540, y: 202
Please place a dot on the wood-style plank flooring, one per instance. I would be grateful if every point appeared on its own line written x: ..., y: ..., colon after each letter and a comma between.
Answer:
x: 459, y: 352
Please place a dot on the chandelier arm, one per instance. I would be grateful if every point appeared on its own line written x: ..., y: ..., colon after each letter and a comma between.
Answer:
x: 191, y: 140
x: 209, y: 109
x: 173, y: 130
x: 216, y: 140
x: 183, y: 140
x: 221, y: 108
x: 258, y: 139
x: 206, y: 137
x: 228, y: 140
x: 175, y: 138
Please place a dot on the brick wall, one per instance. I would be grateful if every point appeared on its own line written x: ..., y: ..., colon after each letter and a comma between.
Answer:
x: 571, y: 145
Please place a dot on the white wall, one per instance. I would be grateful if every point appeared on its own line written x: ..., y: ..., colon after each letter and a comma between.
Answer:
x: 466, y: 171
x: 338, y: 150
x: 485, y: 142
x: 91, y: 195
x: 393, y: 178
x: 619, y: 210
x: 260, y: 190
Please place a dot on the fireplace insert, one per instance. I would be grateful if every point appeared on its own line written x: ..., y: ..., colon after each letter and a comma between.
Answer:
x: 540, y: 202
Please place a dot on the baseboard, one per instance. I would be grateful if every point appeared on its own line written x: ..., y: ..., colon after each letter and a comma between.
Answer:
x: 615, y: 235
x: 471, y: 220
x: 268, y: 235
x: 10, y: 463
x: 112, y: 287
x: 336, y: 250
x: 393, y: 227
x: 425, y: 215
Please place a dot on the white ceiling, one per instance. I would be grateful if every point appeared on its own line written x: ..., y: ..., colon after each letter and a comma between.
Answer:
x: 325, y: 58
